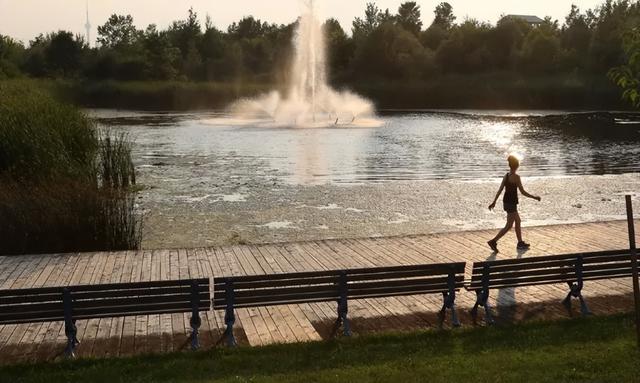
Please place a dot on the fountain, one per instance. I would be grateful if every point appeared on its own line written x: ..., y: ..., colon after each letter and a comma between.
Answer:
x: 310, y: 101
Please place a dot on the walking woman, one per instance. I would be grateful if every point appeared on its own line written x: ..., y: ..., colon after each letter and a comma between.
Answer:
x: 512, y: 183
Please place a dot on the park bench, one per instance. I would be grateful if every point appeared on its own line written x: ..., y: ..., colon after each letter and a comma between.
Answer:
x: 572, y: 269
x: 230, y: 293
x: 72, y: 303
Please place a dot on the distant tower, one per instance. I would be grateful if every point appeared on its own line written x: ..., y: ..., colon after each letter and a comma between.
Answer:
x: 88, y: 27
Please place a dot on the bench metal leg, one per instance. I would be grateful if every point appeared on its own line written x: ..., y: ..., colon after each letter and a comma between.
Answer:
x: 449, y: 303
x: 195, y: 321
x: 488, y: 317
x: 482, y: 299
x: 343, y: 306
x: 575, y: 291
x: 195, y: 326
x: 229, y: 320
x: 343, y: 320
x: 71, y: 331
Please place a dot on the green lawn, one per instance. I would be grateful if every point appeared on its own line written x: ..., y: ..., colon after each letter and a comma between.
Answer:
x: 598, y: 349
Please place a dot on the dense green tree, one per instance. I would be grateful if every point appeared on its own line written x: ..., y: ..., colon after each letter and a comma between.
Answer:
x: 62, y: 53
x: 575, y: 39
x: 627, y: 76
x: 184, y: 34
x: 248, y: 28
x: 372, y: 18
x: 118, y: 32
x: 541, y: 49
x: 339, y: 46
x: 409, y: 17
x: 433, y: 36
x: 391, y: 52
x: 444, y: 16
x: 465, y: 51
x: 11, y: 57
x: 161, y: 57
x: 613, y: 19
x: 212, y: 49
x: 504, y: 42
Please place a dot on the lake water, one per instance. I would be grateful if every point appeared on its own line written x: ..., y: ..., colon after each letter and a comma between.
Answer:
x: 244, y: 180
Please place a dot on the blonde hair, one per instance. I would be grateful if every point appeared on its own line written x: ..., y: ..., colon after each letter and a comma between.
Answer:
x: 514, y: 161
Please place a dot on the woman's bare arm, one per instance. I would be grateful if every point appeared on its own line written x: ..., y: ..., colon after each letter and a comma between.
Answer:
x: 493, y: 204
x: 524, y: 192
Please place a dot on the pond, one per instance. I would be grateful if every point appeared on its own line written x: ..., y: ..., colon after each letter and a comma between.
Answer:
x: 210, y: 179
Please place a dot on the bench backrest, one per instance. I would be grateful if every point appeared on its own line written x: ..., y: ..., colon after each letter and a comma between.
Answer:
x: 106, y: 300
x: 550, y: 269
x: 331, y: 285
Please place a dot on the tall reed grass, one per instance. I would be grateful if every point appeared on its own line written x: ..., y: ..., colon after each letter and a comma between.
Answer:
x: 64, y: 185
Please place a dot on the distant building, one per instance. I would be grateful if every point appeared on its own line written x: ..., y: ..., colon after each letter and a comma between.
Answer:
x: 529, y: 19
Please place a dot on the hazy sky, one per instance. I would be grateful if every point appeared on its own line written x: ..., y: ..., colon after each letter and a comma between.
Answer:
x: 24, y: 19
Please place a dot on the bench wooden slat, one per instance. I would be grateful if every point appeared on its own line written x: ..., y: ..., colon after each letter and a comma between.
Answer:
x: 428, y: 269
x: 102, y: 287
x: 130, y: 309
x: 238, y: 294
x: 309, y: 275
x: 549, y: 258
x: 138, y: 301
x: 278, y: 283
x: 401, y: 274
x: 101, y: 294
x: 556, y: 274
x: 286, y: 298
x: 222, y: 306
x: 442, y: 281
x: 479, y: 270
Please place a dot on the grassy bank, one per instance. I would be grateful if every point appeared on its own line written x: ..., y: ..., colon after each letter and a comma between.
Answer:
x: 580, y: 350
x: 487, y: 91
x: 64, y: 185
x: 496, y: 91
x: 169, y: 95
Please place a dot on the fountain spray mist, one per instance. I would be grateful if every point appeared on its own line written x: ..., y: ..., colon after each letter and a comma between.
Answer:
x: 309, y: 101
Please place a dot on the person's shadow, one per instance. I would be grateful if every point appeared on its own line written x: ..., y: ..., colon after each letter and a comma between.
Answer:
x: 506, y: 300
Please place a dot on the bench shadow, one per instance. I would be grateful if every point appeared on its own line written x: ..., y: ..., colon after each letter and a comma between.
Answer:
x: 506, y: 302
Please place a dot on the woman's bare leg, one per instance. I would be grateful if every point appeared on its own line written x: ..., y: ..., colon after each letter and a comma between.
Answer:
x: 518, y: 227
x: 511, y: 217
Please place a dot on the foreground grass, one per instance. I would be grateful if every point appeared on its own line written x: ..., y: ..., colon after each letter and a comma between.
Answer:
x: 579, y: 350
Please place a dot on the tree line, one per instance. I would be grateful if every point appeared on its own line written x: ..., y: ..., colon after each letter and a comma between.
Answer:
x: 382, y: 45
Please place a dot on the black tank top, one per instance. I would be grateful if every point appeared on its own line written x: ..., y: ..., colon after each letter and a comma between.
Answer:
x: 511, y: 191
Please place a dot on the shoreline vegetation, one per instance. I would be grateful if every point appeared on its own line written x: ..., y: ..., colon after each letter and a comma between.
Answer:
x: 65, y: 185
x: 495, y: 91
x: 598, y: 349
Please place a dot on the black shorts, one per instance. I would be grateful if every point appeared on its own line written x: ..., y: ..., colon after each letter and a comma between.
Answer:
x: 510, y: 207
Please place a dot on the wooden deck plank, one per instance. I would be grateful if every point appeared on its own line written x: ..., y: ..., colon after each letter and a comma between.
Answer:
x: 28, y: 278
x: 50, y: 343
x: 286, y: 334
x: 58, y: 275
x: 104, y: 325
x: 267, y: 324
x: 177, y: 320
x: 166, y: 326
x: 89, y: 330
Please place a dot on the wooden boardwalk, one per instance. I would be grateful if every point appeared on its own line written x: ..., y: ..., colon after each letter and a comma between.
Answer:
x: 296, y: 323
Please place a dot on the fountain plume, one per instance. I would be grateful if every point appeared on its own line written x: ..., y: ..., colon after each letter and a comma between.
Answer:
x: 309, y: 100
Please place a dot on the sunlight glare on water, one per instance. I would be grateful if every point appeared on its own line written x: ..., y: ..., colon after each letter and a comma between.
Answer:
x: 194, y: 147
